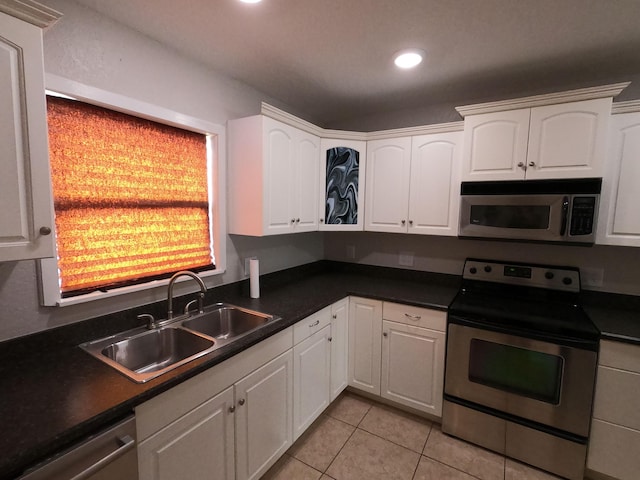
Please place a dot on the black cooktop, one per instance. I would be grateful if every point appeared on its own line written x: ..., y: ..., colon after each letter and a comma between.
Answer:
x: 536, y: 301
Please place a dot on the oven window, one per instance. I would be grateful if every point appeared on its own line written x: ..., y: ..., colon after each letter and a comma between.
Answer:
x: 517, y: 370
x: 533, y: 217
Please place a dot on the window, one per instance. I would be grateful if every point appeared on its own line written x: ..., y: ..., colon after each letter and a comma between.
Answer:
x: 133, y: 198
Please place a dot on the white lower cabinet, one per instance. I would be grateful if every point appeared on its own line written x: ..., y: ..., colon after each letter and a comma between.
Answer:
x: 198, y: 446
x: 365, y: 334
x: 263, y: 417
x: 311, y: 386
x: 614, y: 442
x: 231, y: 421
x: 339, y: 347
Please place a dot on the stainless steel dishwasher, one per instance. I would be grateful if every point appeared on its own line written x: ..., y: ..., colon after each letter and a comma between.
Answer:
x: 108, y: 455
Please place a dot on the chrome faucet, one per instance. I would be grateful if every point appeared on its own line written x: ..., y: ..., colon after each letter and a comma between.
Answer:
x: 203, y: 290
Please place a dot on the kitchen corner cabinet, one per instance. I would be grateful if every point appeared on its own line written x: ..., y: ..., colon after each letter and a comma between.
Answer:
x: 26, y: 219
x: 614, y: 442
x: 365, y: 349
x: 413, y: 184
x: 342, y: 179
x: 566, y: 140
x: 619, y: 222
x: 273, y: 177
x: 339, y: 347
x: 413, y: 344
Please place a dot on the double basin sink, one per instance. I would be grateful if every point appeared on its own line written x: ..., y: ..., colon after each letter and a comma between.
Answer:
x: 142, y: 354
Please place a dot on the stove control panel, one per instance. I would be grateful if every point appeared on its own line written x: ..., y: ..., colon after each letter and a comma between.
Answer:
x: 540, y: 276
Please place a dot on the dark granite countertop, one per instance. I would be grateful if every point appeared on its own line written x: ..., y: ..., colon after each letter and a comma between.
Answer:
x: 53, y: 394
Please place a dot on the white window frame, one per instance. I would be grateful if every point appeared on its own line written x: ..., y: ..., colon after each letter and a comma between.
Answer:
x: 216, y: 142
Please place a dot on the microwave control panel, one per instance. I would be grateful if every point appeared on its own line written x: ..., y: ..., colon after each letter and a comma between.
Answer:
x: 583, y: 212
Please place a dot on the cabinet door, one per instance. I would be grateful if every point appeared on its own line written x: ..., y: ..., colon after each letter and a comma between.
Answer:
x: 365, y: 334
x: 619, y: 222
x: 413, y: 366
x: 279, y: 148
x: 387, y: 192
x: 568, y: 140
x: 306, y: 182
x: 342, y: 180
x: 263, y: 416
x: 495, y: 145
x: 311, y: 379
x: 339, y: 347
x: 198, y: 446
x: 26, y: 216
x: 434, y: 192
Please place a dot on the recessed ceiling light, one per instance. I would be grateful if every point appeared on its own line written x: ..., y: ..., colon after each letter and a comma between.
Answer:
x: 250, y: 1
x: 408, y: 58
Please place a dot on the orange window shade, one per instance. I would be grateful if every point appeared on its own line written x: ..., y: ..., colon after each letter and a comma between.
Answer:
x: 130, y: 197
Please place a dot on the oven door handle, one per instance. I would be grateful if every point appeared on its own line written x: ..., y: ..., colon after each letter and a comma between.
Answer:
x: 565, y: 216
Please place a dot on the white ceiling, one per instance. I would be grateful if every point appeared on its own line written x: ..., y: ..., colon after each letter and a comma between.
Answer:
x: 331, y: 60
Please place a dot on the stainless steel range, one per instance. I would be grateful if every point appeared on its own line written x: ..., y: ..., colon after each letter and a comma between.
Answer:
x: 521, y: 364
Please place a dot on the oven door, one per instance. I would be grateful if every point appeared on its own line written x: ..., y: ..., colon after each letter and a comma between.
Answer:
x: 543, y: 382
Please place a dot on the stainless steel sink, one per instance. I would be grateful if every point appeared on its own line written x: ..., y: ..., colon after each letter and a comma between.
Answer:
x: 142, y: 354
x: 226, y: 322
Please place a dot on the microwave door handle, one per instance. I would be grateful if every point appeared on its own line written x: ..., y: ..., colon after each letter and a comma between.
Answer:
x: 565, y: 216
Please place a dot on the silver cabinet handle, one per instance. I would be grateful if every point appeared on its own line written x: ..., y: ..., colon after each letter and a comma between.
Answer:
x: 314, y: 323
x: 413, y: 317
x: 241, y: 402
x: 127, y: 443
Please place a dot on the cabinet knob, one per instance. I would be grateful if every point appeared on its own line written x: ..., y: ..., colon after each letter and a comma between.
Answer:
x: 293, y: 220
x: 334, y: 316
x: 297, y: 220
x: 403, y: 222
x: 45, y: 231
x: 330, y: 338
x: 322, y: 220
x: 521, y: 165
x: 384, y: 334
x: 532, y: 164
x: 410, y: 222
x: 241, y: 402
x: 232, y: 408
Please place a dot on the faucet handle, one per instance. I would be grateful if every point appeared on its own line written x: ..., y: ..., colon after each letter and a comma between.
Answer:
x: 188, y: 306
x: 151, y: 321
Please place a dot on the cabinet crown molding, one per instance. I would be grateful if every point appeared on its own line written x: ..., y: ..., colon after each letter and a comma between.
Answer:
x: 32, y: 12
x: 588, y: 93
x: 630, y: 106
x: 284, y: 117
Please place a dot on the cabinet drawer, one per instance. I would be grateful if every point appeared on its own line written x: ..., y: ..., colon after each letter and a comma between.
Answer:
x: 312, y: 324
x: 617, y: 397
x: 620, y: 355
x: 416, y: 316
x: 613, y: 450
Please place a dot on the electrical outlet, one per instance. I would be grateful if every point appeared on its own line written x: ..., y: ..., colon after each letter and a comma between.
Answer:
x: 406, y: 259
x: 351, y: 252
x: 592, y: 277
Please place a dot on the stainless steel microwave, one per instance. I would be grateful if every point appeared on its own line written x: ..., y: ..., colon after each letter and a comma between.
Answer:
x: 554, y: 211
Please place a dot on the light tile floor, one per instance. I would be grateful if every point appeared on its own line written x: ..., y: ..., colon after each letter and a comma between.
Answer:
x: 357, y: 438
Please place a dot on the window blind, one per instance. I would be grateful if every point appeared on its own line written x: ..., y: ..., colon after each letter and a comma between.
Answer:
x: 130, y: 195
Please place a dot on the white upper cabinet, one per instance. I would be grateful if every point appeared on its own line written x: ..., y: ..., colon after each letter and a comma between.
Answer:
x: 566, y: 140
x: 342, y: 177
x: 619, y: 222
x: 273, y: 178
x: 387, y: 192
x: 26, y: 216
x: 413, y: 184
x: 434, y: 188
